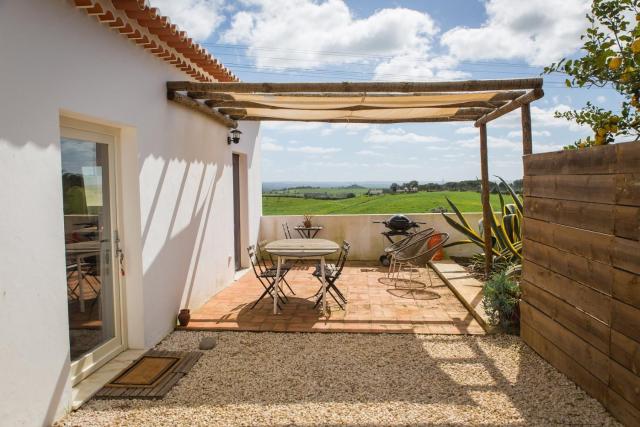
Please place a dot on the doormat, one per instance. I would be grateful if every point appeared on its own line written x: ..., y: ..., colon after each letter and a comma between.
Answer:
x: 151, y: 376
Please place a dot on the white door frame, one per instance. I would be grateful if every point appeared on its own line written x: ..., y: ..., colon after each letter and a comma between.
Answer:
x: 88, y: 131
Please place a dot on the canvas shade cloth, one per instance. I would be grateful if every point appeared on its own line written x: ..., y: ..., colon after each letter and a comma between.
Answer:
x: 311, y: 102
x: 377, y: 114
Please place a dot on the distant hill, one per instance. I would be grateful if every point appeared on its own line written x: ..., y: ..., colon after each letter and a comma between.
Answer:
x: 271, y: 186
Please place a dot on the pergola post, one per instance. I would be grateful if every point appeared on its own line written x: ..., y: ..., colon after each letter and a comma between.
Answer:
x: 486, y: 204
x: 527, y: 142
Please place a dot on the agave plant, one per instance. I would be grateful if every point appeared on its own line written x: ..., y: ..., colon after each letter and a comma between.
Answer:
x: 506, y: 230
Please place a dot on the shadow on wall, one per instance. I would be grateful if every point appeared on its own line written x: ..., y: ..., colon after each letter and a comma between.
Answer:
x: 58, y: 394
x: 176, y: 264
x: 189, y: 247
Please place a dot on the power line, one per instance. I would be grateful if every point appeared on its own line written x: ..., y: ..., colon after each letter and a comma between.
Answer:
x: 357, y: 54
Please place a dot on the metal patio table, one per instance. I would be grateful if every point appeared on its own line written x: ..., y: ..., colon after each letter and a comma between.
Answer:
x: 308, y: 232
x: 301, y: 249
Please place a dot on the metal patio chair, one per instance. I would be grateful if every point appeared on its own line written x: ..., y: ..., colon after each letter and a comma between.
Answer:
x: 331, y: 274
x: 284, y: 268
x: 267, y: 278
x: 286, y: 230
x: 417, y: 255
x: 391, y: 249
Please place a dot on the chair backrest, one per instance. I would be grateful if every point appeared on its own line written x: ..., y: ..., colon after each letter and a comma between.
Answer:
x: 409, y: 239
x: 286, y: 231
x: 260, y: 255
x: 253, y: 259
x: 410, y: 249
x: 342, y: 258
x: 425, y: 253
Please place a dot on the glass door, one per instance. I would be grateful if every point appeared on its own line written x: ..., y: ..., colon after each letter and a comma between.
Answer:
x: 90, y: 228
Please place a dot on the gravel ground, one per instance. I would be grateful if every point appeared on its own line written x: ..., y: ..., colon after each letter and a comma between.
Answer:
x: 356, y: 379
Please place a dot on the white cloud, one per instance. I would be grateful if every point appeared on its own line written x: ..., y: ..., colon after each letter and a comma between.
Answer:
x: 518, y: 133
x: 349, y: 128
x: 199, y: 18
x: 283, y: 126
x: 390, y: 165
x: 468, y: 130
x: 417, y: 65
x: 541, y: 118
x: 394, y: 135
x: 537, y: 31
x: 369, y: 153
x: 312, y: 33
x: 270, y: 146
x: 493, y: 142
x: 307, y: 34
x: 307, y: 149
x: 601, y: 99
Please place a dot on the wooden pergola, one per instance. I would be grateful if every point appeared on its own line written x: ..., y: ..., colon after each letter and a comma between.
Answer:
x: 478, y: 101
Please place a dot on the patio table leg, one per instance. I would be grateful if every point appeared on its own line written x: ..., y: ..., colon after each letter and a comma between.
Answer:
x: 324, y: 287
x: 277, y: 286
x: 80, y: 284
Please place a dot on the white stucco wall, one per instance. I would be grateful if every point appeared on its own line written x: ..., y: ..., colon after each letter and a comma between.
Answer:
x: 367, y: 243
x: 176, y: 193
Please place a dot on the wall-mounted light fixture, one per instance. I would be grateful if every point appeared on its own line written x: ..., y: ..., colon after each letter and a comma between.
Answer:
x: 234, y: 136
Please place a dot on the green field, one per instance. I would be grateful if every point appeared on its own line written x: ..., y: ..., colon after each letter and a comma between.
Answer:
x: 467, y: 201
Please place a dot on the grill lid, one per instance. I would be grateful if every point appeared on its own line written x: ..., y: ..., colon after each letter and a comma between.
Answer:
x: 400, y: 223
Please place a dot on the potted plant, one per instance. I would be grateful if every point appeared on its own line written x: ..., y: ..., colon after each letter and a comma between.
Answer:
x: 307, y: 221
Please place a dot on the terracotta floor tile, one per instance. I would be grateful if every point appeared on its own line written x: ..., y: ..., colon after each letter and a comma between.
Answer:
x: 374, y: 306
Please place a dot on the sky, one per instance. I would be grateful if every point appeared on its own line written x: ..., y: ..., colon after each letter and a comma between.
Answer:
x: 404, y: 40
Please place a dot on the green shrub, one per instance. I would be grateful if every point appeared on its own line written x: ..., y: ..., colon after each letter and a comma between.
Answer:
x: 500, y: 301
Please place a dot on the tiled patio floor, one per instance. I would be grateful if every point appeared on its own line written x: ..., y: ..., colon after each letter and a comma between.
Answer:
x: 374, y: 305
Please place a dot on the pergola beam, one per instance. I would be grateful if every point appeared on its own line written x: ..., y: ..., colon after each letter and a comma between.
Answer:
x: 402, y: 87
x: 527, y: 140
x: 228, y: 96
x: 486, y: 204
x: 516, y: 103
x: 191, y: 103
x: 371, y: 121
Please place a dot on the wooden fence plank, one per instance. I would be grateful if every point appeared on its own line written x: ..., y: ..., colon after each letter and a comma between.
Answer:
x: 622, y: 409
x: 595, y: 246
x: 578, y: 349
x: 616, y: 251
x: 587, y: 327
x: 563, y: 363
x: 627, y: 222
x: 625, y: 351
x: 626, y: 255
x: 625, y: 383
x: 602, y: 188
x: 589, y: 216
x: 628, y: 188
x: 543, y: 163
x: 596, y: 160
x: 626, y: 287
x: 594, y: 274
x: 618, y: 189
x: 627, y: 157
x: 626, y: 320
x: 607, y: 159
x: 574, y: 293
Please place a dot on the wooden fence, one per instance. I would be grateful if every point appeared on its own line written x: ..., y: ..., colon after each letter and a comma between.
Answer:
x: 581, y: 270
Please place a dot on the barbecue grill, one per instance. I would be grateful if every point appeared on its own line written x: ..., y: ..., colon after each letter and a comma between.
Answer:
x: 397, y: 225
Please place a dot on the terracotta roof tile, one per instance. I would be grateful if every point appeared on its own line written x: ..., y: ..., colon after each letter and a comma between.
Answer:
x: 147, y: 27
